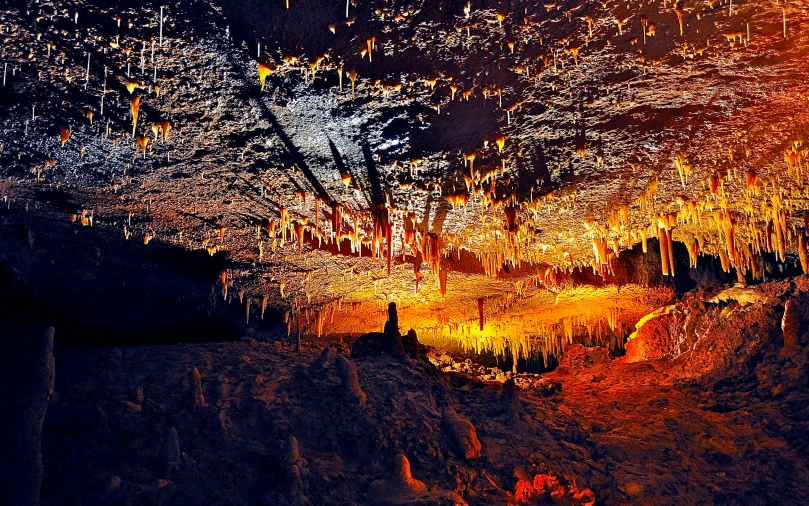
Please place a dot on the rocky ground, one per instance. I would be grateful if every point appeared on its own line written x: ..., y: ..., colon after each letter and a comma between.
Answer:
x: 721, y: 420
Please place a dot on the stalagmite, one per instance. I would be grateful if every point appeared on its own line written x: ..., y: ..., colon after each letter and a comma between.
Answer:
x: 350, y: 381
x: 510, y: 402
x: 398, y: 485
x: 170, y: 447
x: 197, y: 397
x: 791, y: 323
x: 24, y: 418
x: 462, y: 433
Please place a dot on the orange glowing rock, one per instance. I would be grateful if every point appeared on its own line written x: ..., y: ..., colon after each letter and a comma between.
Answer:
x: 64, y: 135
x: 143, y: 141
x: 621, y: 23
x: 352, y: 74
x: 679, y: 11
x: 131, y: 87
x: 263, y: 71
x: 134, y: 107
x: 299, y: 230
x: 89, y: 114
x: 336, y: 219
x: 683, y: 168
x: 644, y: 21
x: 223, y: 278
x: 370, y: 43
x: 713, y: 183
x: 574, y: 51
x: 471, y: 159
x: 165, y: 126
x: 389, y: 243
x: 442, y: 281
x: 750, y: 177
x: 501, y: 143
x: 457, y: 200
x: 511, y: 218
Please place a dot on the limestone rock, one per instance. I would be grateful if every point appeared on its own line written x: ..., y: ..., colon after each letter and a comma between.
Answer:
x: 351, y: 383
x: 739, y: 293
x: 170, y: 449
x: 411, y: 345
x: 26, y: 426
x: 462, y: 433
x: 791, y: 323
x: 578, y: 357
x: 397, y: 484
x: 322, y: 361
x: 510, y: 401
x: 197, y: 397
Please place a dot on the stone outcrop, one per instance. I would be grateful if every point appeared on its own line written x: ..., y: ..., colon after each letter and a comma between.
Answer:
x: 398, y: 483
x: 197, y: 397
x: 462, y: 433
x: 350, y: 381
x: 27, y: 415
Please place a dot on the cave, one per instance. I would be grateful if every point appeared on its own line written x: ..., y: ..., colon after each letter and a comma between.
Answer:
x: 484, y: 252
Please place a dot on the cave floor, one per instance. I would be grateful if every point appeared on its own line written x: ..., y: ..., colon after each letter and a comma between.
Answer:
x: 632, y: 433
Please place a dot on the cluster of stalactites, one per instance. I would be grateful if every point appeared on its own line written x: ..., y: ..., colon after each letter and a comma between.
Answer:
x: 532, y: 342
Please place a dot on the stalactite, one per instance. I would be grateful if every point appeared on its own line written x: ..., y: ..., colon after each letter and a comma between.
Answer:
x: 480, y: 312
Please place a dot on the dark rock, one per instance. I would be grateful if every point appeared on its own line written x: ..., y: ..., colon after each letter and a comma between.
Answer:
x: 388, y: 343
x: 25, y: 434
x: 462, y: 433
x: 510, y: 402
x: 170, y: 449
x: 351, y: 384
x: 197, y: 397
x: 322, y: 361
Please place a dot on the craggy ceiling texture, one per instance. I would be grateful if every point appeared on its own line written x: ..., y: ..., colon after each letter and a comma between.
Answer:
x: 470, y: 161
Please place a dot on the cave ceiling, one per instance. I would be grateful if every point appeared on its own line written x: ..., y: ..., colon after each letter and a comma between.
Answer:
x: 458, y: 158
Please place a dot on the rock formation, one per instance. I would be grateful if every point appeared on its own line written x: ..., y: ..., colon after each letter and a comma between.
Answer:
x: 197, y: 397
x: 27, y: 415
x: 462, y: 433
x: 350, y: 381
x: 397, y: 485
